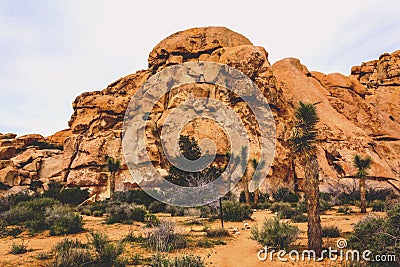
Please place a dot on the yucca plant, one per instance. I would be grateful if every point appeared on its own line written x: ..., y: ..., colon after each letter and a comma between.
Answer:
x: 302, y: 142
x: 113, y: 166
x: 362, y: 164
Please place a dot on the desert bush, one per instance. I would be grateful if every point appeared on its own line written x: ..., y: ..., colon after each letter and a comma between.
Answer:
x: 219, y: 232
x: 262, y: 197
x: 344, y: 210
x: 235, y: 212
x: 301, y: 206
x: 176, y: 211
x: 7, y: 231
x: 379, y: 235
x: 275, y: 233
x: 264, y: 205
x: 71, y: 253
x: 43, y: 256
x: 325, y: 196
x: 278, y: 206
x: 378, y: 194
x: 30, y: 214
x: 284, y: 194
x: 19, y: 248
x: 12, y: 200
x: 70, y: 195
x: 62, y: 220
x: 98, y: 205
x: 107, y: 253
x: 151, y: 220
x: 286, y: 212
x: 125, y: 213
x: 160, y: 260
x: 205, y: 243
x: 97, y: 213
x: 164, y: 238
x: 325, y: 205
x: 137, y: 196
x: 208, y: 211
x: 378, y: 205
x: 157, y: 206
x: 330, y: 231
x: 86, y: 212
x: 299, y: 217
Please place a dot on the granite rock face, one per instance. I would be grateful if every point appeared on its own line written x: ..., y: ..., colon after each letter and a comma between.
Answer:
x: 359, y: 114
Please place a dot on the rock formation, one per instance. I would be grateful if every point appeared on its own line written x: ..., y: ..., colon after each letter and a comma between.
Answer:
x: 359, y: 114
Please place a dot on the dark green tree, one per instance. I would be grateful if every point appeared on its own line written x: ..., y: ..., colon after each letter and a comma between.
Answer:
x: 191, y: 151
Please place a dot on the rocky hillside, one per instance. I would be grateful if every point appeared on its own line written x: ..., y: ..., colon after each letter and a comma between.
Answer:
x: 359, y: 113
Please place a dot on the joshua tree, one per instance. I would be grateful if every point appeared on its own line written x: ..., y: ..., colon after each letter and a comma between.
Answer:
x: 113, y: 166
x: 303, y: 146
x: 256, y: 178
x: 231, y: 167
x: 245, y: 182
x: 362, y: 164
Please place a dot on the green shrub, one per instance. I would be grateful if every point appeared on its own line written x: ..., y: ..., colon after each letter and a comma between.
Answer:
x: 12, y: 200
x: 160, y: 260
x: 275, y: 233
x: 299, y: 218
x: 125, y: 213
x: 98, y: 205
x: 7, y: 231
x: 235, y: 212
x: 379, y: 235
x: 325, y: 205
x: 278, y: 206
x: 286, y: 212
x: 97, y: 213
x: 301, y: 206
x: 107, y: 253
x: 325, y: 196
x: 136, y: 196
x: 284, y: 194
x: 30, y: 214
x: 164, y: 238
x: 86, y: 212
x: 19, y: 248
x: 43, y: 256
x: 70, y: 195
x: 330, y: 231
x: 151, y: 220
x: 264, y: 206
x: 205, y: 243
x: 208, y: 211
x: 345, y: 210
x: 62, y: 220
x: 378, y: 194
x: 176, y: 211
x: 219, y: 232
x: 378, y: 205
x: 70, y: 253
x: 157, y: 206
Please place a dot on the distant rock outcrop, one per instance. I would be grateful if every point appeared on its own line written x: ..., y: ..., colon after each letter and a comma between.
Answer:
x: 359, y: 114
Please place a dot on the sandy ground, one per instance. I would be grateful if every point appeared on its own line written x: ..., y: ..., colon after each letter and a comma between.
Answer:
x: 239, y: 251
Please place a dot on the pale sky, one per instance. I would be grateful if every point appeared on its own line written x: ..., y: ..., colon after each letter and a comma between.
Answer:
x: 51, y: 51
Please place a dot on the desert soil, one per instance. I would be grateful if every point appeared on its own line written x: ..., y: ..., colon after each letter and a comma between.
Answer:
x: 240, y: 250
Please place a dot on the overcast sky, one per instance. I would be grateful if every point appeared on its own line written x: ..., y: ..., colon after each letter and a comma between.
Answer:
x: 51, y: 51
